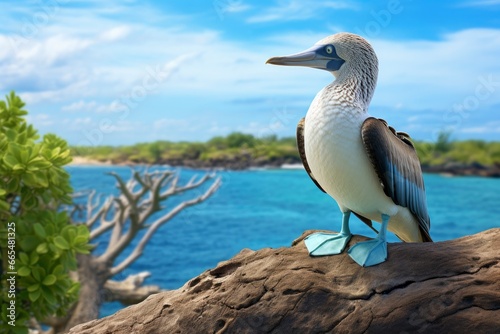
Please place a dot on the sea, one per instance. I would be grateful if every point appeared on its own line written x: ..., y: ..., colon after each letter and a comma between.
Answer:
x: 257, y: 209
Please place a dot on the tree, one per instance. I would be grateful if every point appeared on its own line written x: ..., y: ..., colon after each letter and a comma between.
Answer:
x: 238, y: 139
x: 38, y: 245
x: 155, y: 152
x: 118, y: 220
x: 443, y: 142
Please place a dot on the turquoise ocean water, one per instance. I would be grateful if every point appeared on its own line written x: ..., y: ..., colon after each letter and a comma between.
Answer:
x: 270, y: 208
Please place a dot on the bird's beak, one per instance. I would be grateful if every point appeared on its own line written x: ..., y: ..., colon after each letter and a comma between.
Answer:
x: 307, y: 58
x: 315, y: 57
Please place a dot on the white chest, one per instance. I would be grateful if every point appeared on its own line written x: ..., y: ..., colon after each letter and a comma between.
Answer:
x: 337, y: 157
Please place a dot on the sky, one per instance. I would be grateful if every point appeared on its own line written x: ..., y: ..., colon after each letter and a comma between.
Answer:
x: 122, y: 72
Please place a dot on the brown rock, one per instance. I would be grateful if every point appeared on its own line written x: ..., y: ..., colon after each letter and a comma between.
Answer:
x: 443, y: 287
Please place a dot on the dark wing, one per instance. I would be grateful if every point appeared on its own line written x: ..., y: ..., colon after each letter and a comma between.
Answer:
x: 302, y: 154
x: 302, y: 151
x: 396, y: 162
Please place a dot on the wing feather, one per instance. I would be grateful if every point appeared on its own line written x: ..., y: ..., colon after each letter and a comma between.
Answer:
x: 302, y: 152
x: 396, y: 162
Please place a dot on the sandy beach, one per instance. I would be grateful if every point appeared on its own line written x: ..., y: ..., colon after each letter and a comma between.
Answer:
x: 83, y: 161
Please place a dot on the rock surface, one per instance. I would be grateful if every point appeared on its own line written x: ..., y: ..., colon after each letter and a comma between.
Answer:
x: 443, y: 287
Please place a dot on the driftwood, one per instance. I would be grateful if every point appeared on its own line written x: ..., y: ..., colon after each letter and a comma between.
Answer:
x: 129, y: 291
x: 442, y: 287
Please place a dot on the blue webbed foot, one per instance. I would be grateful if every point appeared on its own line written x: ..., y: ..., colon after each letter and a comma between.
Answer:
x: 319, y: 244
x: 369, y: 253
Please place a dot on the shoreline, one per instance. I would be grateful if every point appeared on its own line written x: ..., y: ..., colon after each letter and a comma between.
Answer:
x: 84, y: 161
x: 449, y: 169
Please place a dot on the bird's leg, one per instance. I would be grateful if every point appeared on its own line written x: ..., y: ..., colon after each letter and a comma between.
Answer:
x: 371, y: 252
x: 319, y: 244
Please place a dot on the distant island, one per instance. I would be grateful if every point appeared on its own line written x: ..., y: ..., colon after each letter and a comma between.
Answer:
x: 238, y: 151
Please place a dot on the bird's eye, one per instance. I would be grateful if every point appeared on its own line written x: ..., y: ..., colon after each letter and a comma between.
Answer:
x: 329, y: 49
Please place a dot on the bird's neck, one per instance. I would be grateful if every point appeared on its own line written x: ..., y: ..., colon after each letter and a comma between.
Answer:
x: 355, y: 87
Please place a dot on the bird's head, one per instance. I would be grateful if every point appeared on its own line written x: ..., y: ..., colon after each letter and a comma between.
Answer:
x: 338, y: 54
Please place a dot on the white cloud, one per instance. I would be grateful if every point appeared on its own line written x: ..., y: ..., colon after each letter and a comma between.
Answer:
x: 238, y: 8
x: 115, y: 33
x: 76, y: 65
x: 293, y: 10
x: 166, y: 123
x: 126, y: 126
x: 439, y: 74
x: 79, y: 106
x: 231, y: 6
x: 487, y: 128
x: 82, y: 121
x: 263, y: 129
x: 93, y: 106
x: 217, y: 129
x: 40, y: 120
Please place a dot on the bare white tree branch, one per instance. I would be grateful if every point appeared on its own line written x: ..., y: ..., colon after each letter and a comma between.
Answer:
x: 159, y: 222
x: 100, y: 214
x: 140, y: 197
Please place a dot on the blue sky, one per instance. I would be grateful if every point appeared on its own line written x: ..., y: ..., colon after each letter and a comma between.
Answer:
x: 121, y: 72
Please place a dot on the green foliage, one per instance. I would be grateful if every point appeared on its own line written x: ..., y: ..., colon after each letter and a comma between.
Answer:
x: 33, y: 185
x: 269, y: 149
x: 464, y: 152
x: 240, y: 140
x: 234, y: 146
x: 443, y: 143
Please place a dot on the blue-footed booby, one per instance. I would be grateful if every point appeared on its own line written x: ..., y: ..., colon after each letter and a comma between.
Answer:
x: 369, y: 168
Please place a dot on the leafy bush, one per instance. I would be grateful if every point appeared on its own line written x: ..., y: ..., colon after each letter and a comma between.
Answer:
x: 33, y: 187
